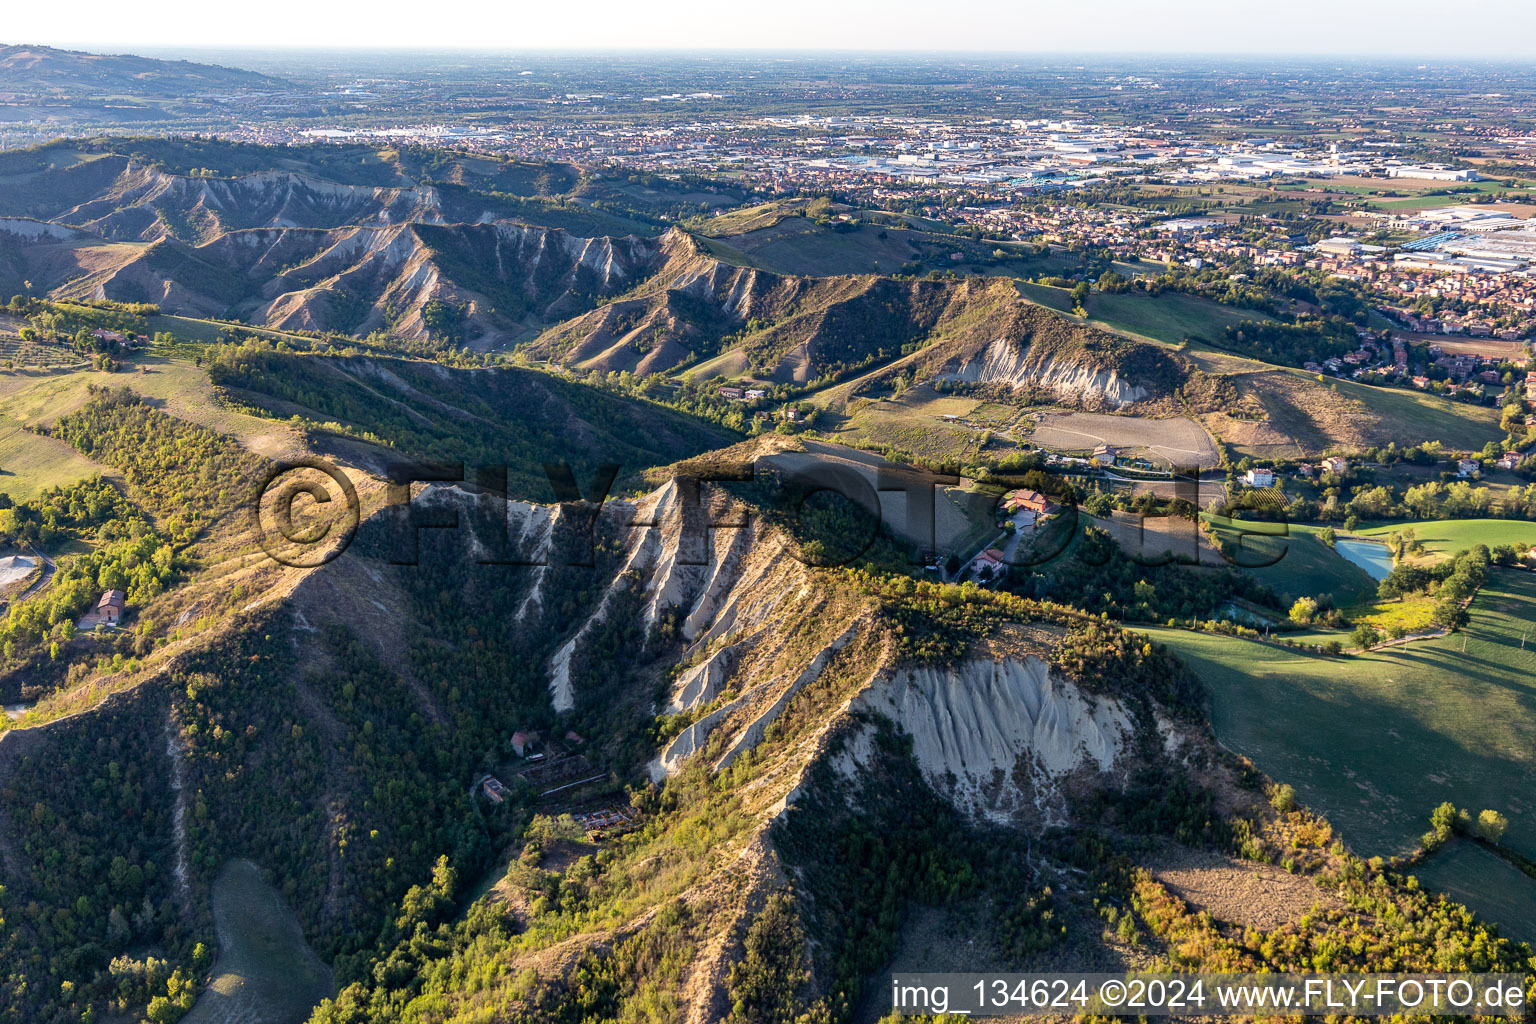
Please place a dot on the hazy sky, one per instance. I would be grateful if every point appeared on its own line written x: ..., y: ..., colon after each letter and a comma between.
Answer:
x: 1417, y: 28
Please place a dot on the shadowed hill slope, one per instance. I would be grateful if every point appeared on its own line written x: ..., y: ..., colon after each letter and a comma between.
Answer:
x: 488, y: 253
x: 373, y: 410
x: 702, y: 316
x: 484, y: 278
x: 806, y: 760
x: 786, y: 764
x: 338, y: 239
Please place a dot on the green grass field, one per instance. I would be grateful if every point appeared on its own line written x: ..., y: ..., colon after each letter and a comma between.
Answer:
x: 1291, y: 560
x: 1413, y: 414
x: 799, y: 246
x: 1434, y: 202
x: 1405, y: 194
x: 188, y: 329
x: 725, y: 252
x: 265, y: 972
x: 1492, y: 887
x: 30, y: 464
x: 1169, y: 318
x: 1375, y: 742
x: 789, y: 243
x: 1047, y: 296
x: 731, y: 363
x: 750, y: 218
x: 1447, y: 538
x: 177, y: 386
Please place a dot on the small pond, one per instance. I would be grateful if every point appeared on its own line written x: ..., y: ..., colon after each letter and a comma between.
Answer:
x: 1374, y: 558
x: 1247, y: 616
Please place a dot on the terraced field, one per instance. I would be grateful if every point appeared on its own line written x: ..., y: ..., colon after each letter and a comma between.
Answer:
x: 914, y: 422
x: 17, y: 353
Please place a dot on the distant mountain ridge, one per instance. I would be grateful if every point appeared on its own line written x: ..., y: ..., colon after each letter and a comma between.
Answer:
x: 360, y: 278
x: 432, y: 245
x: 46, y: 70
x: 705, y: 316
x: 326, y: 238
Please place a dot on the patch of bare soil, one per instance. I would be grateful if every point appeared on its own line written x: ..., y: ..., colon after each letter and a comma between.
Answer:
x: 1252, y: 895
x: 1252, y: 435
x: 1175, y: 440
x: 959, y: 941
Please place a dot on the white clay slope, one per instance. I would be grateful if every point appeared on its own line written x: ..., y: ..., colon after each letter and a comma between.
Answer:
x: 1007, y: 362
x: 973, y: 724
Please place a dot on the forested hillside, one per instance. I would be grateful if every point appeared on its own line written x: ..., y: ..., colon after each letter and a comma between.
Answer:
x: 504, y: 417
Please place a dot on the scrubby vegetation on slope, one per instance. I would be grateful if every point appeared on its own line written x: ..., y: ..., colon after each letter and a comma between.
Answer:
x: 187, y: 473
x: 516, y: 418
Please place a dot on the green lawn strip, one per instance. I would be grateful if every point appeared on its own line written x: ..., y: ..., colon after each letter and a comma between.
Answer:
x: 265, y: 970
x: 1479, y: 878
x: 1444, y: 538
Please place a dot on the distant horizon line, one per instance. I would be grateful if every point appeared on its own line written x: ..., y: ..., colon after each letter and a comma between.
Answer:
x: 142, y: 49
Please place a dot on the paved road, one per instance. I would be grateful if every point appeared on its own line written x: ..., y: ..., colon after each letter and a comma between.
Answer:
x: 1023, y: 520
